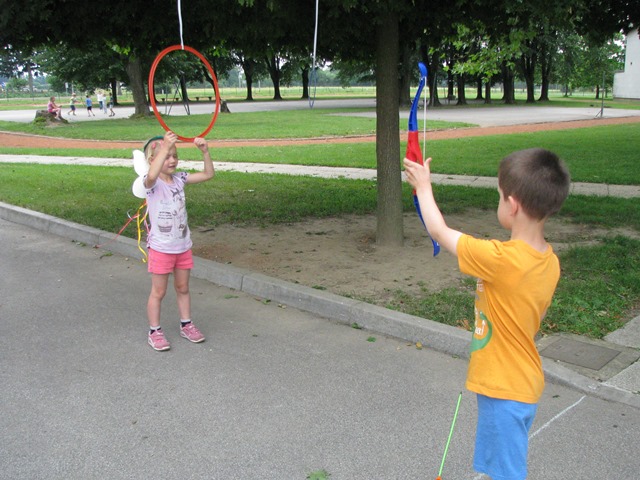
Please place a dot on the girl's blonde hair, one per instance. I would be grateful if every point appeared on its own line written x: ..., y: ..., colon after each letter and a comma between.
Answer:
x: 151, y: 146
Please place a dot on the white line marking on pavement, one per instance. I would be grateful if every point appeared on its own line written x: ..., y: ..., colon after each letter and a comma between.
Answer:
x: 556, y: 417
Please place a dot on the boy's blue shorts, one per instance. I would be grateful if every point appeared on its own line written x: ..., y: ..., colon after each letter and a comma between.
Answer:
x: 502, y: 438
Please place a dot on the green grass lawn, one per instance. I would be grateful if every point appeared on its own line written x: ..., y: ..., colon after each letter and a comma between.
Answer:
x: 306, y: 123
x: 606, y: 154
x: 603, y: 154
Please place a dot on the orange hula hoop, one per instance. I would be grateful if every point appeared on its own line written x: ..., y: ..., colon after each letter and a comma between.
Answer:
x: 152, y: 96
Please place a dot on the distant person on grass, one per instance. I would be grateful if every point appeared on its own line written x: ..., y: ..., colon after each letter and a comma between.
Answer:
x: 53, y: 108
x: 72, y: 104
x: 89, y: 104
x: 101, y: 101
x: 169, y: 240
x: 111, y: 112
x: 516, y: 282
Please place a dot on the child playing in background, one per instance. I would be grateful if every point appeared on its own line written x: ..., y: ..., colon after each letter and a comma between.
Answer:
x: 169, y: 240
x: 111, y: 112
x: 72, y: 104
x: 101, y: 104
x: 516, y: 281
x: 89, y: 104
x: 53, y: 108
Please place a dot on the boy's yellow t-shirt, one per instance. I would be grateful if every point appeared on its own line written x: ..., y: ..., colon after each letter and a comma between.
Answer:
x: 514, y: 290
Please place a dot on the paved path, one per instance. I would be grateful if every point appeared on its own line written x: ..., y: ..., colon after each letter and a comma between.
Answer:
x: 484, y: 117
x: 577, y: 188
x: 274, y: 392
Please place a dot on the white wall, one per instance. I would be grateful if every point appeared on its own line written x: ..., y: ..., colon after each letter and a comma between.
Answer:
x: 626, y: 84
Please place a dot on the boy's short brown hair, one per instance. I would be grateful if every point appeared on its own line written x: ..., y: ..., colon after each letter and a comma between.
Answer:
x: 537, y: 178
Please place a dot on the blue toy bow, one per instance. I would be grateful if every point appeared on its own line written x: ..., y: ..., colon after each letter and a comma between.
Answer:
x: 413, y: 144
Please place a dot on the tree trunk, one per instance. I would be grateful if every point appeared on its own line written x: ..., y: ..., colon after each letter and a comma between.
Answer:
x: 136, y: 84
x: 544, y: 89
x: 462, y: 96
x: 528, y: 67
x: 450, y: 86
x: 249, y: 80
x: 390, y: 230
x: 113, y: 85
x: 184, y: 92
x: 479, y: 88
x: 432, y: 80
x: 248, y: 68
x: 305, y: 83
x: 507, y: 82
x: 487, y: 92
x: 274, y: 73
x: 432, y: 76
x: 545, y: 72
x: 30, y: 77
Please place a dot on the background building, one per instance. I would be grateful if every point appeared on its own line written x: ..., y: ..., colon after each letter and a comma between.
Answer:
x: 626, y: 84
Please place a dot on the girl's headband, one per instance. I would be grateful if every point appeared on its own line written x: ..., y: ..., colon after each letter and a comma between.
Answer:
x: 153, y: 139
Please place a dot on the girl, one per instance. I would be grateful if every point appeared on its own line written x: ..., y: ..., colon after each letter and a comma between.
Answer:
x: 169, y: 240
x: 53, y: 108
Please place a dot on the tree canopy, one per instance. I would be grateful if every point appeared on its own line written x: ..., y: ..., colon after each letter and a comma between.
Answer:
x: 467, y: 40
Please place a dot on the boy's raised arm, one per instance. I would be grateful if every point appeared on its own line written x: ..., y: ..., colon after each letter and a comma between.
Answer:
x: 419, y: 176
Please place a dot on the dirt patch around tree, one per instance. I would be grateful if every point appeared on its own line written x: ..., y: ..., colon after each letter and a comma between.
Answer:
x: 340, y: 255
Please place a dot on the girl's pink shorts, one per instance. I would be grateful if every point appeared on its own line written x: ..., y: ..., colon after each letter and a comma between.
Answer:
x: 163, y: 263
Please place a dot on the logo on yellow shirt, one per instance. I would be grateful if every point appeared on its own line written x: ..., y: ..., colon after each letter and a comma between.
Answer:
x: 482, y: 332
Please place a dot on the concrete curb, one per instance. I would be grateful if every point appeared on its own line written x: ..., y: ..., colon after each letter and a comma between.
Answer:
x: 439, y: 337
x: 561, y: 375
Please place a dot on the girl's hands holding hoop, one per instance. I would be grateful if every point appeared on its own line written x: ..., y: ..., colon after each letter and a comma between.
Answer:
x: 163, y: 152
x: 169, y: 140
x: 201, y: 143
x: 208, y: 171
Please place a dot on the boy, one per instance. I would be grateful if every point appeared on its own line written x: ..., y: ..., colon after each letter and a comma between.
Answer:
x: 72, y: 104
x: 516, y: 281
x: 89, y: 104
